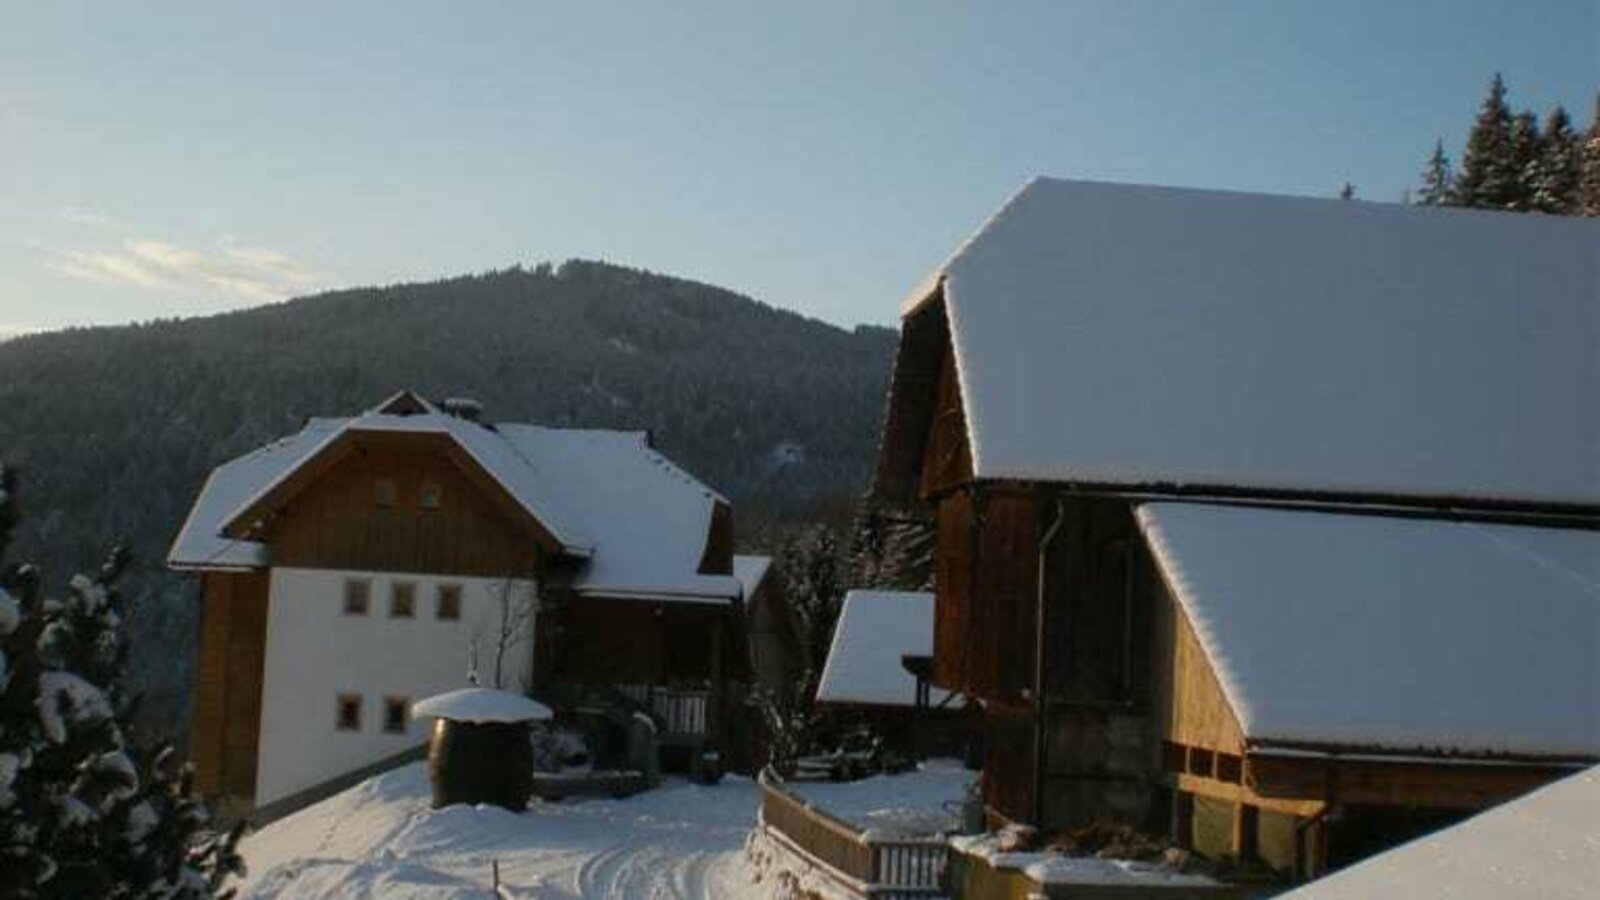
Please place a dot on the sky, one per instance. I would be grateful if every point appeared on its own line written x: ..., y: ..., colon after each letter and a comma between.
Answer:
x: 180, y: 159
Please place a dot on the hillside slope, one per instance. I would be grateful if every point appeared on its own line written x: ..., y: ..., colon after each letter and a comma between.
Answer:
x: 114, y: 429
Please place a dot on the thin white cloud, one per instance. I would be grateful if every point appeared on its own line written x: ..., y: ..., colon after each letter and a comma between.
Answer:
x: 254, y: 273
x: 86, y: 217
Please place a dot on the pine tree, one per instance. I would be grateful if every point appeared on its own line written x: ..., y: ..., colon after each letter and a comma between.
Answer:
x: 1527, y: 147
x: 1554, y: 176
x: 1438, y: 180
x: 1588, y: 199
x: 79, y: 815
x: 1489, y: 177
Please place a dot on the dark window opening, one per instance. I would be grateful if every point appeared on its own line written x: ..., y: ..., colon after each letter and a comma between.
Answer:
x: 394, y: 714
x: 430, y: 495
x: 402, y: 600
x: 357, y: 594
x: 383, y: 493
x: 348, y: 715
x: 449, y: 601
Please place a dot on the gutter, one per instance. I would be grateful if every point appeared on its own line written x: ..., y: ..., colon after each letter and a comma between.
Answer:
x: 1039, y: 668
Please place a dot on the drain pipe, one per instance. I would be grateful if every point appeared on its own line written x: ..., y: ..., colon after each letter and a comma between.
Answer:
x: 1040, y: 609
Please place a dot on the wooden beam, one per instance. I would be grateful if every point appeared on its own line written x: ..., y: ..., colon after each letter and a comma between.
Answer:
x: 1235, y: 793
x: 1446, y: 784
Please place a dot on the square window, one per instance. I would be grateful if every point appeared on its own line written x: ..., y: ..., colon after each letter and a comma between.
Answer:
x: 383, y: 493
x: 449, y: 602
x: 357, y: 593
x: 395, y: 716
x: 402, y: 600
x: 348, y: 715
x: 430, y: 495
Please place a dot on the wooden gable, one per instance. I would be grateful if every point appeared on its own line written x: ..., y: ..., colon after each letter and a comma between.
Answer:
x: 358, y: 504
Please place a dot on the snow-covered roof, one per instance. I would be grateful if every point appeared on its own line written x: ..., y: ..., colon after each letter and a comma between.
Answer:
x: 1399, y: 634
x: 751, y: 572
x: 641, y: 522
x: 477, y: 704
x: 1124, y: 334
x: 876, y: 629
x: 1544, y: 846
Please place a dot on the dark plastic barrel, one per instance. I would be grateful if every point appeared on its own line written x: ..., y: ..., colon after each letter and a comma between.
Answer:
x: 481, y: 762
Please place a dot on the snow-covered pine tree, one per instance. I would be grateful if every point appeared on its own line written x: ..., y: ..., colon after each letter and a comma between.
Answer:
x: 1553, y: 177
x: 79, y: 815
x: 1438, y: 180
x: 1588, y: 203
x: 1489, y: 177
x: 1527, y: 147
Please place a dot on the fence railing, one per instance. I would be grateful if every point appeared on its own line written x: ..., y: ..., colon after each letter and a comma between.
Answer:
x: 878, y: 867
x: 683, y: 712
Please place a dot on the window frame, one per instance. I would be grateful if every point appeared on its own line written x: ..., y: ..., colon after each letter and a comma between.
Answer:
x: 391, y: 703
x: 344, y: 702
x: 456, y: 593
x: 357, y: 600
x: 402, y: 590
x: 385, y: 493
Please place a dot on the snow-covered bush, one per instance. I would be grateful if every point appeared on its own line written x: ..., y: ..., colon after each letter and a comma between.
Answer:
x: 82, y: 812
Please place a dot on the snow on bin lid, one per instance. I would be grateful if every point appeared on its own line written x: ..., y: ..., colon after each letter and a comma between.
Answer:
x: 480, y: 705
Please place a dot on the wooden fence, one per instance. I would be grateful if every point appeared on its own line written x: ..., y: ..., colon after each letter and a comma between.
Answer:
x: 876, y: 867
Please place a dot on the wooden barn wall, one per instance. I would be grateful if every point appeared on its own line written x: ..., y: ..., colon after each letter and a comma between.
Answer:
x: 718, y: 556
x: 948, y: 460
x: 226, y: 735
x: 1100, y: 598
x: 1192, y: 708
x: 984, y: 594
x: 337, y: 523
x: 614, y: 641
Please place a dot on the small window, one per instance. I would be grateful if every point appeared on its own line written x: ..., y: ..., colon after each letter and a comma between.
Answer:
x: 429, y: 495
x: 383, y: 493
x: 357, y: 593
x: 402, y: 600
x: 449, y: 601
x: 395, y: 716
x: 349, y: 712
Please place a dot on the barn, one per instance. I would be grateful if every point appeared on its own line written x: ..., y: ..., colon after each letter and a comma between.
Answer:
x: 1265, y: 523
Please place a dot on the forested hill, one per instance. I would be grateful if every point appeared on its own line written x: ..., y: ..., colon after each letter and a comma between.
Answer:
x: 114, y: 429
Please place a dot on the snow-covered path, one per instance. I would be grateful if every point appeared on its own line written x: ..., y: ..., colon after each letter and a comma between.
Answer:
x: 679, y: 842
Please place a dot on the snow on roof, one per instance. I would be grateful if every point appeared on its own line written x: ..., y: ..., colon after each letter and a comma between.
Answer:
x: 1395, y: 633
x: 875, y: 629
x: 1140, y: 335
x: 751, y: 572
x: 477, y: 704
x: 1544, y: 846
x: 200, y: 543
x: 606, y: 495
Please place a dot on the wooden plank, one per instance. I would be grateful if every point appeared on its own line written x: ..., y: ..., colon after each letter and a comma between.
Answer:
x: 335, y: 521
x: 947, y: 463
x: 1235, y: 793
x: 1448, y: 785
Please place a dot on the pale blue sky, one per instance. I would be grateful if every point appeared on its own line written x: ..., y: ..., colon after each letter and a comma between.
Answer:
x: 176, y: 159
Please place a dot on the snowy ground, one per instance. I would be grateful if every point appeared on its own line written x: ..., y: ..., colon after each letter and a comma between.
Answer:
x: 922, y: 802
x: 380, y: 839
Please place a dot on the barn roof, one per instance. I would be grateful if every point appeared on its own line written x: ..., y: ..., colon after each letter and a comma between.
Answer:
x: 1399, y: 635
x: 1541, y: 846
x: 876, y: 629
x: 639, y: 520
x: 1133, y: 335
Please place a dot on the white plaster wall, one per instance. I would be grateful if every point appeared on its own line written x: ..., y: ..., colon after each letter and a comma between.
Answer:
x: 315, y: 652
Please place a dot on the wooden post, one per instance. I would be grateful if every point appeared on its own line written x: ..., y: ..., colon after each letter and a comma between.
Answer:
x: 1245, y: 831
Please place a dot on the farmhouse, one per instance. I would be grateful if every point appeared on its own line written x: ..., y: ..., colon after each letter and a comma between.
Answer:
x: 1270, y: 522
x: 367, y: 562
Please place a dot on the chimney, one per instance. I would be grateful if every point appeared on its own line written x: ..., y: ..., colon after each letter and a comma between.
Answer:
x: 463, y: 408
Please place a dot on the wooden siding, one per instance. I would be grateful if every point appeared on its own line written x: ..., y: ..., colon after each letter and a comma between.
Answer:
x: 948, y: 460
x: 227, y: 721
x: 984, y: 595
x: 718, y: 556
x: 913, y: 388
x: 336, y: 522
x: 618, y: 641
x: 1198, y: 713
